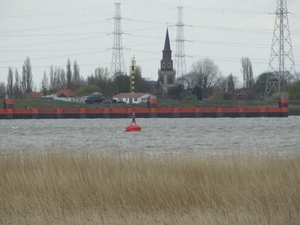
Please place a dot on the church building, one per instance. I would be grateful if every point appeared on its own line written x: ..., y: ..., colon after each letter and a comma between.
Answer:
x: 166, y: 73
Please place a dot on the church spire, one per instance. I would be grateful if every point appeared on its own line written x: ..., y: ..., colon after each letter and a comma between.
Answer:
x: 166, y: 74
x: 167, y: 42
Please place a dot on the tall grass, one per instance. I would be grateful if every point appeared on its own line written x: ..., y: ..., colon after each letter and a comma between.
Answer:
x: 90, y: 188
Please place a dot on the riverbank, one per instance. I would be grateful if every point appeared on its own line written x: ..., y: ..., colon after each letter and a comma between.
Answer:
x: 294, y: 110
x: 93, y: 188
x: 34, y: 103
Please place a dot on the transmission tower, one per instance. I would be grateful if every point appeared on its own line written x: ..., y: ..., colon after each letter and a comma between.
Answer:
x: 281, y: 64
x: 117, y: 66
x: 180, y: 64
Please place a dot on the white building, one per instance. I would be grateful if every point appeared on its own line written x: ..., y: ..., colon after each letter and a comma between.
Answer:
x: 133, y: 98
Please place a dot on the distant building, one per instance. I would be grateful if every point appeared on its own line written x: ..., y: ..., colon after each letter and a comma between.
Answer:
x: 132, y: 98
x: 166, y: 73
x: 65, y: 93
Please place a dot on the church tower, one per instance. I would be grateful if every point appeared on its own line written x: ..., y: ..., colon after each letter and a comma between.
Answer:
x: 166, y: 74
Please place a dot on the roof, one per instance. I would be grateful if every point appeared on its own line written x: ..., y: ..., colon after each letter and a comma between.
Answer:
x: 167, y: 47
x: 32, y: 95
x: 130, y: 95
x: 65, y: 93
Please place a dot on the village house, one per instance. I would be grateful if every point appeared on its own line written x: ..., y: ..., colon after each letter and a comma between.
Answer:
x: 132, y: 98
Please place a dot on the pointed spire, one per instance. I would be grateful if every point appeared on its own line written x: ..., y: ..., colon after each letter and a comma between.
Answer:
x: 167, y: 42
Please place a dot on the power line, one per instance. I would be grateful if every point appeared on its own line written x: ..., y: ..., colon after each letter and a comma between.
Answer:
x: 49, y: 35
x: 53, y: 27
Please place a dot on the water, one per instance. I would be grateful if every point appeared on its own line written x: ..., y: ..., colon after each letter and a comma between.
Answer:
x: 158, y: 135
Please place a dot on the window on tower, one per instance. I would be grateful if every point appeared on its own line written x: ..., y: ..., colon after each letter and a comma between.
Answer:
x: 161, y: 79
x: 170, y: 80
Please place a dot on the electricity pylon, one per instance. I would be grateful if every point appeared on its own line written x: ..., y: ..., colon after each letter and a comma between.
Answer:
x: 117, y: 66
x: 180, y: 64
x: 281, y: 64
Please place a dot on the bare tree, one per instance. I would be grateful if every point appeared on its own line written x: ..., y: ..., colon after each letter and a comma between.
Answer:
x: 17, y: 85
x: 27, y: 79
x: 63, y: 80
x: 69, y: 74
x: 190, y: 79
x: 2, y: 90
x: 247, y: 73
x: 76, y: 76
x: 56, y: 78
x: 230, y: 83
x: 10, y: 82
x: 102, y: 80
x: 52, y: 81
x: 205, y: 73
x: 45, y: 84
x: 297, y: 76
x: 221, y: 83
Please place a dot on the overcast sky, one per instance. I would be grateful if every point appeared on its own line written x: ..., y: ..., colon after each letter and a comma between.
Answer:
x: 51, y: 32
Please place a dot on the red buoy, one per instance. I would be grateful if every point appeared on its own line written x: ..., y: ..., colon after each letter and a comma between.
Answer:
x: 133, y: 126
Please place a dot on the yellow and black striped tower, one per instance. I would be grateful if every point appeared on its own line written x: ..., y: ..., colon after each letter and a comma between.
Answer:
x: 132, y: 75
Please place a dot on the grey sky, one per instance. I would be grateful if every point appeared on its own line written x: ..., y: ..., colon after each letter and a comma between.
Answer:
x: 50, y: 32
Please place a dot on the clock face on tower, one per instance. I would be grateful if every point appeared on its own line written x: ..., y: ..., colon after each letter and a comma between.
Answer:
x: 169, y: 65
x: 163, y: 65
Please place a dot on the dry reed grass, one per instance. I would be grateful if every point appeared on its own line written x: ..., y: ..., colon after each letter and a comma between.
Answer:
x: 90, y: 188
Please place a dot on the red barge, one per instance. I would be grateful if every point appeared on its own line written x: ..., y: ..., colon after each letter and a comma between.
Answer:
x: 151, y: 112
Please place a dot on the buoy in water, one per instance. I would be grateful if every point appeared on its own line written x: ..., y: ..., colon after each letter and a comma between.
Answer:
x: 133, y: 126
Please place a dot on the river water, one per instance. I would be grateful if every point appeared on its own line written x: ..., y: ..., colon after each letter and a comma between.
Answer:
x: 158, y: 135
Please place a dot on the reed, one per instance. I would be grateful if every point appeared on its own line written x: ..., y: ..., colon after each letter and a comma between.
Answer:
x: 97, y: 188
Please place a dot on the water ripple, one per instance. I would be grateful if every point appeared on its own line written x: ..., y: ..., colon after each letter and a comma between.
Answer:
x: 160, y: 135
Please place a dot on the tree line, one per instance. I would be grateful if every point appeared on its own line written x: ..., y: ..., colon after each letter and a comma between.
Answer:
x: 204, y: 80
x: 70, y: 78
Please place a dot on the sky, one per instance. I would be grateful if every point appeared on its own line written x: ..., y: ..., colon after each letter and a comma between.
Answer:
x: 225, y: 31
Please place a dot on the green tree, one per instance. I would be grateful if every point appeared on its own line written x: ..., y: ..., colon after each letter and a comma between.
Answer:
x: 294, y: 91
x: 160, y: 93
x: 260, y: 85
x: 87, y: 90
x: 123, y: 83
x: 176, y: 92
x: 197, y: 91
x: 189, y: 98
x: 217, y: 95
